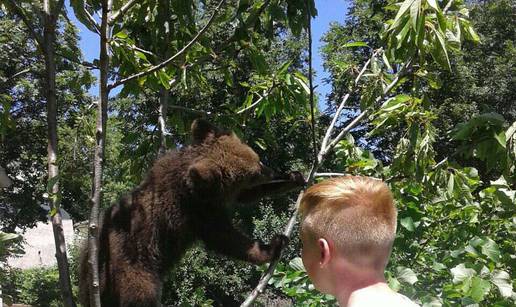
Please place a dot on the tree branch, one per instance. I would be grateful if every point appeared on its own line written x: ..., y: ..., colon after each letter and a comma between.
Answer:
x: 121, y: 11
x: 329, y: 174
x: 180, y: 52
x: 357, y: 119
x: 188, y: 110
x: 345, y: 99
x: 90, y: 18
x: 16, y: 75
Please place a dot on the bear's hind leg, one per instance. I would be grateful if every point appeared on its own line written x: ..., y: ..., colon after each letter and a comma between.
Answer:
x: 139, y: 288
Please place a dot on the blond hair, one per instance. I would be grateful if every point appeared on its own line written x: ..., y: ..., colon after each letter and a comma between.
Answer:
x: 356, y: 213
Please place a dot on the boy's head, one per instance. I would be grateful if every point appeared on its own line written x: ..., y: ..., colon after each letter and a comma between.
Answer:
x: 352, y: 218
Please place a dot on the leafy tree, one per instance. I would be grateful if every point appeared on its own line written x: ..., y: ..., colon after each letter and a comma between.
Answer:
x: 452, y: 246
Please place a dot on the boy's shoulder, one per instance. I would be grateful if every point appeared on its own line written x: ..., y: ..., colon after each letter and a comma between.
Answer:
x: 382, y: 299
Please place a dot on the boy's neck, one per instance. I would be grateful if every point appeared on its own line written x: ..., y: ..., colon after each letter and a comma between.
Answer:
x: 350, y: 284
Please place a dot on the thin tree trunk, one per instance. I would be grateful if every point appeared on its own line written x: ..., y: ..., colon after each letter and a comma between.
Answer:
x: 162, y: 120
x: 49, y: 36
x: 93, y: 239
x: 163, y: 92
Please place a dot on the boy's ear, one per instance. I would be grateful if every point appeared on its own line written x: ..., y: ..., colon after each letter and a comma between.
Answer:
x: 325, y: 251
x: 203, y: 130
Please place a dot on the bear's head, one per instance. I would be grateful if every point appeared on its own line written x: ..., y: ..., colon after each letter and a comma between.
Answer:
x: 224, y: 166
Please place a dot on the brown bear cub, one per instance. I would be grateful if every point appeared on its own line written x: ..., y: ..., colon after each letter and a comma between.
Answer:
x: 183, y: 199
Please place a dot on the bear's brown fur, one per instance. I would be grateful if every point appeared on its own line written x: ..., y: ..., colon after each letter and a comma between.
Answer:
x: 183, y: 199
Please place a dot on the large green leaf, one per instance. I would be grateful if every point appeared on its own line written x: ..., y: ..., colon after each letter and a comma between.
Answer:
x: 79, y: 8
x: 461, y: 273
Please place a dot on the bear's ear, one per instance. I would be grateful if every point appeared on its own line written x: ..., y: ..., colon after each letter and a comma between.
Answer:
x: 203, y: 130
x: 204, y: 174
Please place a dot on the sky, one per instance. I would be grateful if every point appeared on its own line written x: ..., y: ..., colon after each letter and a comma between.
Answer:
x: 328, y: 11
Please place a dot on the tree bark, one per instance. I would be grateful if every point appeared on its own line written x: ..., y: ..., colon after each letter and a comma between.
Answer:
x: 49, y: 37
x: 95, y: 202
x: 163, y: 92
x: 162, y: 120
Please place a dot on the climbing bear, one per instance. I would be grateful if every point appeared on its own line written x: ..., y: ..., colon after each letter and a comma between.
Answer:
x: 184, y: 198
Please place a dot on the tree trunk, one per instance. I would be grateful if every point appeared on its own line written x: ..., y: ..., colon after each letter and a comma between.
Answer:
x: 50, y: 19
x: 162, y: 120
x: 164, y: 53
x: 93, y: 239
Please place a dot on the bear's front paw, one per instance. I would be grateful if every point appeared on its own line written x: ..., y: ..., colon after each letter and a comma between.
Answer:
x: 278, y: 242
x: 298, y: 178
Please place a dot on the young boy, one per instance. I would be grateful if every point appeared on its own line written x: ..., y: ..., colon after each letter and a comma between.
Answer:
x: 348, y: 226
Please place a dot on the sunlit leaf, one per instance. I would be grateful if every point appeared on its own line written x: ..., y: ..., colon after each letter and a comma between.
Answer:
x: 355, y: 44
x: 461, y: 273
x: 407, y: 275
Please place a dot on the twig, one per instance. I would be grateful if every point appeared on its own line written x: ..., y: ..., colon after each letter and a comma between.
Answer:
x: 92, y: 21
x: 344, y: 100
x: 185, y: 109
x: 180, y: 52
x: 17, y: 75
x: 357, y: 119
x: 121, y: 11
x: 329, y: 174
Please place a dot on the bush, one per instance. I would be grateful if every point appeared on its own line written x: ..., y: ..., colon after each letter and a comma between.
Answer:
x: 37, y: 286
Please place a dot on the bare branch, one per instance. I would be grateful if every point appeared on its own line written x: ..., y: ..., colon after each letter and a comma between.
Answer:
x: 344, y: 100
x: 329, y: 174
x: 90, y: 18
x: 143, y: 51
x: 180, y: 52
x: 121, y: 11
x: 188, y: 110
x: 22, y: 72
x: 357, y: 119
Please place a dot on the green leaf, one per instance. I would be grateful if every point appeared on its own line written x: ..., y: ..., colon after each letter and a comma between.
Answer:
x: 53, y: 211
x: 355, y: 44
x: 434, y: 5
x: 406, y: 275
x: 5, y: 237
x: 500, y: 137
x: 386, y: 62
x: 81, y: 14
x: 51, y: 182
x: 442, y: 44
x: 297, y: 264
x: 502, y: 280
x: 461, y: 273
x: 408, y: 223
x: 414, y: 13
x: 479, y: 288
x: 491, y: 250
x: 258, y: 61
x: 472, y: 34
x: 403, y: 9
